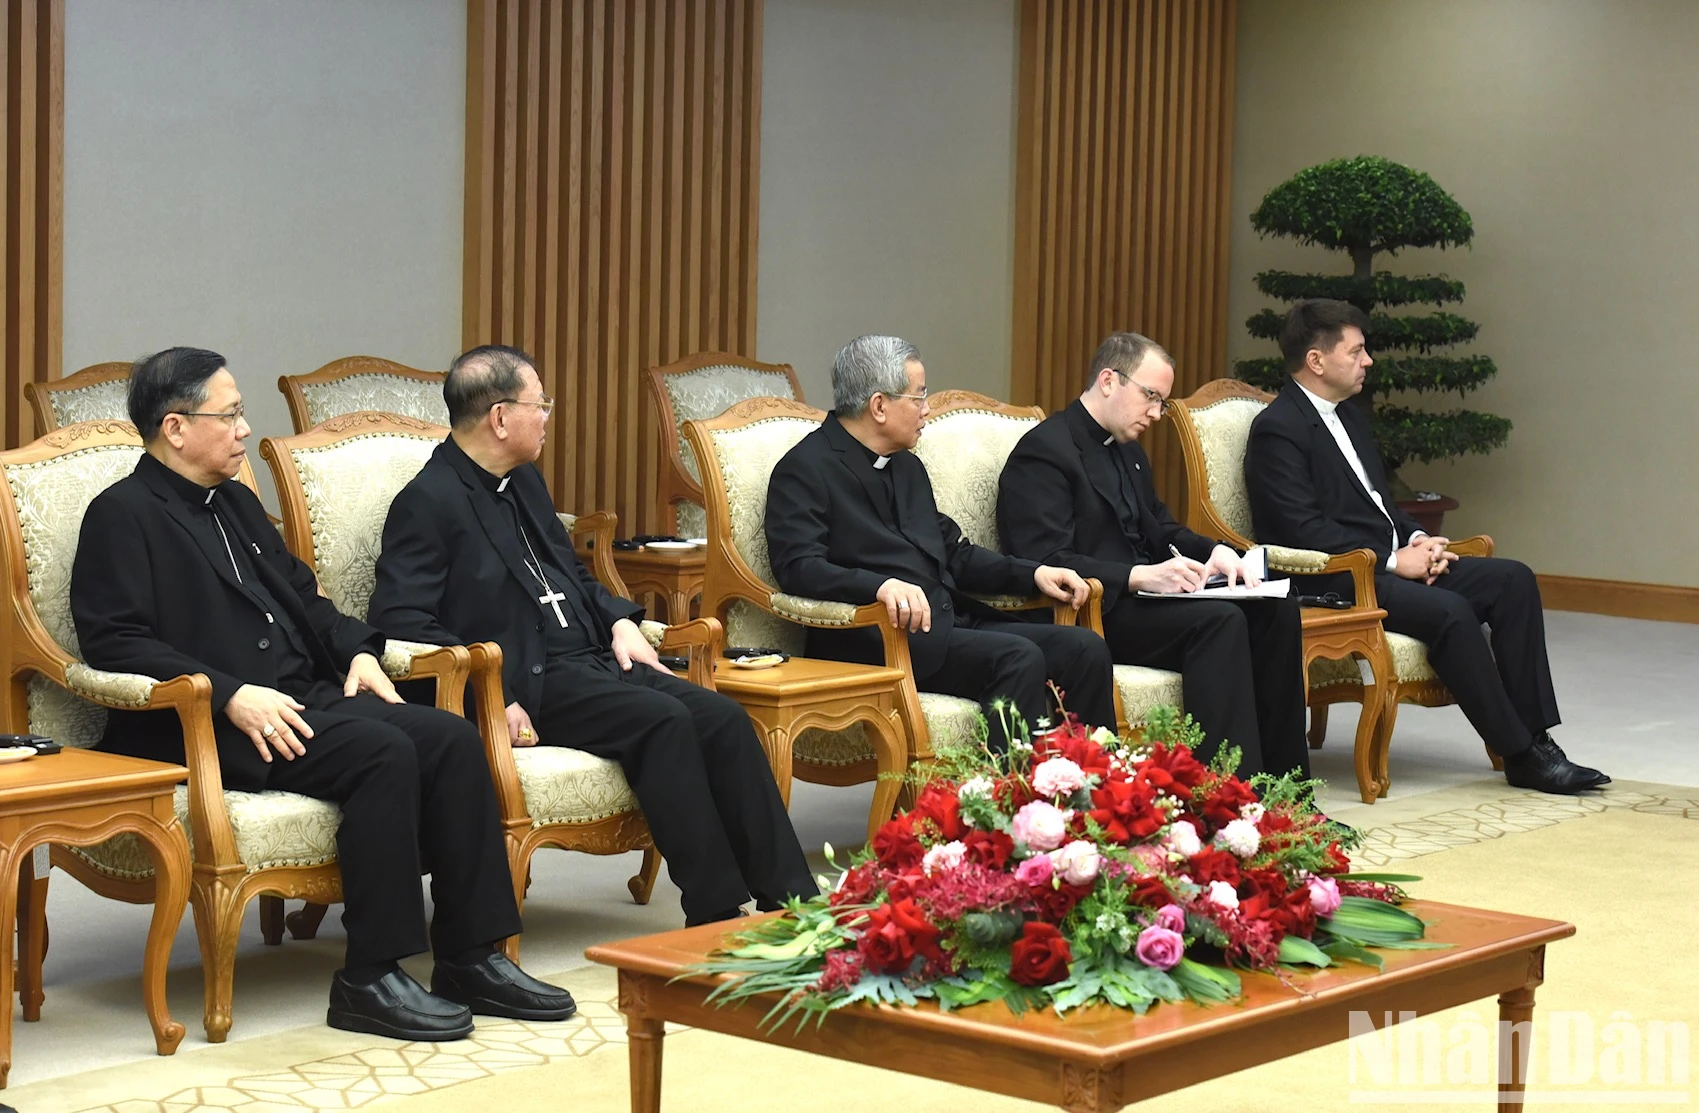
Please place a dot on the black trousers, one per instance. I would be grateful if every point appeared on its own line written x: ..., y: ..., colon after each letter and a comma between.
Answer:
x: 1505, y: 690
x: 1015, y: 661
x: 411, y: 780
x: 1241, y: 668
x: 692, y: 759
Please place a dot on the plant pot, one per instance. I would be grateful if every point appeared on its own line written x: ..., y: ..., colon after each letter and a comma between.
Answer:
x: 1429, y: 513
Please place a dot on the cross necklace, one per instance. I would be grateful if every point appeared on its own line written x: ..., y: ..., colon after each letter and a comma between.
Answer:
x: 550, y: 597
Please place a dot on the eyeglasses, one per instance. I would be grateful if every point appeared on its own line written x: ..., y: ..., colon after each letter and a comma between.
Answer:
x: 1162, y: 404
x: 229, y: 417
x: 545, y: 403
x: 921, y: 397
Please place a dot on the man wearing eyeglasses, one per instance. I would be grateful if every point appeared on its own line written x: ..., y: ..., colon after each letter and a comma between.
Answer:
x: 1078, y: 491
x: 473, y: 552
x: 178, y: 571
x: 851, y: 517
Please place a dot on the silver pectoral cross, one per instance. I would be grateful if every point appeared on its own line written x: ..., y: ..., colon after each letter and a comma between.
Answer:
x: 552, y: 599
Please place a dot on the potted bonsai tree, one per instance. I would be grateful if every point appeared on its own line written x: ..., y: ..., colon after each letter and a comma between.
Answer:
x: 1364, y: 207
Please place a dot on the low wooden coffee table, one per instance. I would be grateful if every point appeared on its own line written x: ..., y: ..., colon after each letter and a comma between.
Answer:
x: 81, y: 797
x: 1103, y: 1058
x: 673, y: 575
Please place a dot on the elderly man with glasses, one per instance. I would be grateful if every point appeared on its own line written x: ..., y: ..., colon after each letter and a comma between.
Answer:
x: 851, y: 517
x: 1078, y: 491
x: 473, y: 551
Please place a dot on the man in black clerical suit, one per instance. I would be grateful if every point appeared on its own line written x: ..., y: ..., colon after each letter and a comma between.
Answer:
x: 851, y: 518
x: 1077, y: 490
x: 178, y: 571
x: 473, y: 551
x: 1316, y: 482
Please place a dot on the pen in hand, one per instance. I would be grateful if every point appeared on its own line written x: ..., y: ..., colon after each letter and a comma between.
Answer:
x: 1178, y: 555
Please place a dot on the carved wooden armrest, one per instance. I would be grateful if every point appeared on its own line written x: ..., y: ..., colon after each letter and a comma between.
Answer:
x: 1478, y: 546
x: 1062, y: 614
x: 1360, y: 563
x: 701, y: 639
x: 595, y: 533
x: 826, y: 612
x: 448, y: 665
x: 128, y: 691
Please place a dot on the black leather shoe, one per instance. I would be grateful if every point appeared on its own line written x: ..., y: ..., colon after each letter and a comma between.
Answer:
x: 1543, y: 767
x: 494, y: 986
x: 396, y: 1005
x: 1599, y: 779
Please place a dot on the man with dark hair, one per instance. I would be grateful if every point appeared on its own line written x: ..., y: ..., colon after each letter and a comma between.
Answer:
x: 1078, y: 491
x: 851, y: 517
x: 1316, y: 482
x: 178, y: 571
x: 473, y: 551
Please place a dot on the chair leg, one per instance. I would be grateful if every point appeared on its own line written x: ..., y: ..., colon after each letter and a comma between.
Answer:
x: 1318, y: 725
x: 218, y: 923
x: 1497, y: 762
x: 32, y: 939
x: 1383, y: 737
x: 304, y: 923
x: 271, y: 919
x: 642, y: 884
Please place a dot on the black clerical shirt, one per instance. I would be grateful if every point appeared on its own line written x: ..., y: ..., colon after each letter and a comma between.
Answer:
x: 1127, y: 504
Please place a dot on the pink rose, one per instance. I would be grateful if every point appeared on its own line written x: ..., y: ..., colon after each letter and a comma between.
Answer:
x: 1057, y: 777
x: 1035, y: 871
x: 1077, y: 862
x: 1172, y: 917
x: 943, y: 858
x: 1324, y: 895
x: 1041, y: 826
x: 1160, y: 947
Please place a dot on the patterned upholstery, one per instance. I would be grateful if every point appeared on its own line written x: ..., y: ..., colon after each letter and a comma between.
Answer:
x: 348, y: 488
x: 709, y: 392
x: 106, y: 401
x: 375, y: 391
x: 1224, y: 429
x: 570, y: 786
x: 271, y: 828
x: 1409, y: 664
x: 1144, y: 689
x: 964, y: 452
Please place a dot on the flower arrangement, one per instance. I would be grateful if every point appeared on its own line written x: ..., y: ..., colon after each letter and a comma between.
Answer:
x: 1075, y: 870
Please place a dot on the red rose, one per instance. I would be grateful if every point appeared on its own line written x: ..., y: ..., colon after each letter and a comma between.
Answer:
x: 1222, y: 805
x: 939, y: 806
x: 1173, y: 770
x: 990, y: 849
x: 894, y: 934
x: 1076, y: 747
x: 895, y: 844
x: 1040, y: 956
x: 1053, y: 902
x: 1264, y: 895
x: 1211, y: 864
x: 859, y: 885
x: 1151, y: 892
x: 1126, y: 811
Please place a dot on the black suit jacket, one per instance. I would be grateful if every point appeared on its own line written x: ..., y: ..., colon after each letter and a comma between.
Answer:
x: 1304, y: 493
x: 450, y: 572
x: 830, y: 535
x: 150, y: 594
x: 1057, y: 504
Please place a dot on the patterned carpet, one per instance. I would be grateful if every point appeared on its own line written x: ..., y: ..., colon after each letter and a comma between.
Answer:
x: 1480, y: 844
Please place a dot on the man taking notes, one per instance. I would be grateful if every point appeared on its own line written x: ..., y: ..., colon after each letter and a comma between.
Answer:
x: 473, y: 551
x: 1078, y: 491
x: 1316, y: 482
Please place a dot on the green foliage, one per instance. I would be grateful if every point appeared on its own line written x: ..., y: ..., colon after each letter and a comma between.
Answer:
x: 1364, y: 206
x: 1380, y: 288
x: 1364, y: 203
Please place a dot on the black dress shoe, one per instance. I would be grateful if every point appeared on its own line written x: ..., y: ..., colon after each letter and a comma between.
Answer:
x: 1599, y: 779
x: 1543, y: 768
x: 396, y: 1005
x: 494, y: 986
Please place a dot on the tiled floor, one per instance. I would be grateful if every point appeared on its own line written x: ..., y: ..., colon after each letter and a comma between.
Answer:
x: 1626, y: 689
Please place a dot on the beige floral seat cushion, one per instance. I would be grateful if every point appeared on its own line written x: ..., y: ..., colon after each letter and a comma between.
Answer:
x: 563, y: 785
x: 1144, y: 689
x: 392, y: 394
x: 271, y: 829
x: 964, y: 452
x: 108, y: 401
x: 1409, y: 664
x: 1224, y: 430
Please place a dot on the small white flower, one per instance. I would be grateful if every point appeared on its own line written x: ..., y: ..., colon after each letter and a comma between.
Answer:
x: 1223, y: 895
x: 1240, y: 837
x: 1183, y: 840
x: 975, y: 786
x: 1252, y: 811
x: 1103, y: 736
x: 1044, y: 723
x: 943, y: 857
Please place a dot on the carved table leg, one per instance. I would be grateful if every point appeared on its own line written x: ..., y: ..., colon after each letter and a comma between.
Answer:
x: 170, y: 894
x: 8, y: 911
x: 644, y: 1035
x: 678, y: 606
x: 32, y: 936
x: 1516, y: 1034
x: 892, y: 754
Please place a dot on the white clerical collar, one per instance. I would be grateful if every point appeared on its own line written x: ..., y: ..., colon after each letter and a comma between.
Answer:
x: 879, y: 462
x: 502, y: 486
x: 1109, y: 440
x: 1322, y: 405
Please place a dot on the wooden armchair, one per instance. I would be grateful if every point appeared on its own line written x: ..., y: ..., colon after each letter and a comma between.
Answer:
x: 967, y: 441
x: 335, y: 483
x: 1214, y: 426
x: 99, y: 392
x: 355, y: 383
x: 696, y: 388
x: 243, y: 844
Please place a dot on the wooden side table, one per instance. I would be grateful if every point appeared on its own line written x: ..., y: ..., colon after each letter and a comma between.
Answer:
x: 80, y: 797
x: 803, y: 692
x: 675, y: 575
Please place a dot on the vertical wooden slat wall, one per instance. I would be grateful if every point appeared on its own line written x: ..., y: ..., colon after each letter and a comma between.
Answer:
x: 611, y: 201
x: 32, y: 190
x: 1123, y: 150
